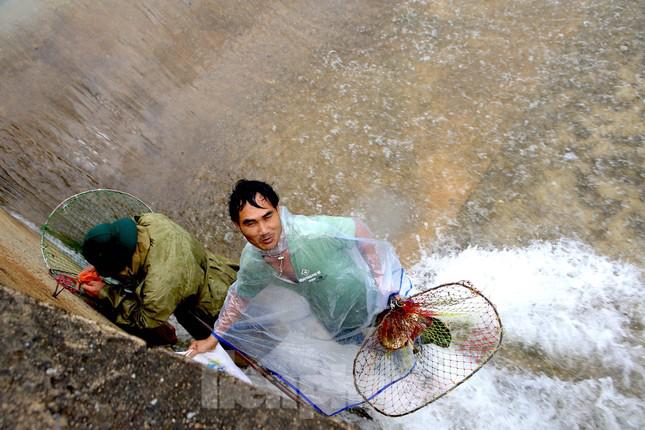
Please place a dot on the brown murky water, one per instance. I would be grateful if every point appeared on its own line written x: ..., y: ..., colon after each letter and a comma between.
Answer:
x: 499, y: 121
x: 457, y: 123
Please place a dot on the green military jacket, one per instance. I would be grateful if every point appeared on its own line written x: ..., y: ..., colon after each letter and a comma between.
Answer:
x: 168, y: 267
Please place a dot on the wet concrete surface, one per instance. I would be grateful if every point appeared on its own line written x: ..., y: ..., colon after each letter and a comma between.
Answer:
x: 23, y: 270
x: 62, y: 371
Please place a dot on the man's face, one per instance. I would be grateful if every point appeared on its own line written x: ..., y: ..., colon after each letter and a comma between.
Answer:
x: 260, y: 226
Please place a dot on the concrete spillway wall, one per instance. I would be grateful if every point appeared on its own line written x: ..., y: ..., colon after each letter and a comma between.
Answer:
x: 22, y: 269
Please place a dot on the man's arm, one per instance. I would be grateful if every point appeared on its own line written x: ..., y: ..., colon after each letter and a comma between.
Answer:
x: 233, y: 306
x: 108, y: 296
x: 228, y: 315
x: 360, y: 235
x: 168, y: 278
x: 368, y: 249
x: 230, y: 312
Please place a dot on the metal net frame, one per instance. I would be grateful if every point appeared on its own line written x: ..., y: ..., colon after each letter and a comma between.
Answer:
x: 61, y: 237
x: 451, y: 333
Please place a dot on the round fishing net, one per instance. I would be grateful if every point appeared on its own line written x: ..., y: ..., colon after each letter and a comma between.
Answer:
x: 425, y: 346
x: 62, y: 235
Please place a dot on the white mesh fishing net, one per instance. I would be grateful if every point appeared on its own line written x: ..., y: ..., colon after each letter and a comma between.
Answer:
x: 426, y: 346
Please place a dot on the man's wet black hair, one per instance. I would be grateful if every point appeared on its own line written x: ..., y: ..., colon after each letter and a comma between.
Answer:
x: 244, y: 192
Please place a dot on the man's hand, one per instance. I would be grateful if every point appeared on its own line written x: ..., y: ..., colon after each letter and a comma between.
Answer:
x: 93, y: 288
x: 204, y: 345
x: 90, y: 281
x: 164, y: 334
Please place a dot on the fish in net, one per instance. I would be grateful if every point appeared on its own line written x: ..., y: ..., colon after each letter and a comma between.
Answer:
x: 62, y: 234
x: 424, y: 346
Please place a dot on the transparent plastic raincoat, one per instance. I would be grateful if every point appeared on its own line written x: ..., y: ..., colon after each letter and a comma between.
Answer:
x: 305, y: 318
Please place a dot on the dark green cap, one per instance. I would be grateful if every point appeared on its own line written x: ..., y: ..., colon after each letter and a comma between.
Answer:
x: 109, y: 247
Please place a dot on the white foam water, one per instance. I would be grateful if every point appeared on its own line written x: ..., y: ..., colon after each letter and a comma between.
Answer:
x: 572, y: 355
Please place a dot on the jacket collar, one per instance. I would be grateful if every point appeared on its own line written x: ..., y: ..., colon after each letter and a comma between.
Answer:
x: 140, y: 253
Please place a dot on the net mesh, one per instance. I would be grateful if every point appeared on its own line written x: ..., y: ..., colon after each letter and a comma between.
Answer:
x: 425, y: 346
x: 62, y: 235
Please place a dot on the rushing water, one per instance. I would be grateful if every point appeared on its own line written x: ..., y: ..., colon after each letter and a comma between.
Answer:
x: 573, y: 353
x: 495, y: 141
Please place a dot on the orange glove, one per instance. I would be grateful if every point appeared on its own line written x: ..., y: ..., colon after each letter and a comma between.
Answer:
x: 91, y: 281
x: 88, y: 274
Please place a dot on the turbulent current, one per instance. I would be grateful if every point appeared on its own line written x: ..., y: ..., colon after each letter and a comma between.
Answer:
x: 495, y: 141
x: 572, y: 352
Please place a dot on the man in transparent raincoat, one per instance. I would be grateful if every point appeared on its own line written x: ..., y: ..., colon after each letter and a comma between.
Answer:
x: 308, y: 290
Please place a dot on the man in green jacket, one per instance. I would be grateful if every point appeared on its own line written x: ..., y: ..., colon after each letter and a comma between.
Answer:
x: 162, y: 269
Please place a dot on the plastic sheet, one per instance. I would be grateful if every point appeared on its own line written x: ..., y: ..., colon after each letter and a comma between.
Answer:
x: 308, y: 329
x: 219, y: 360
